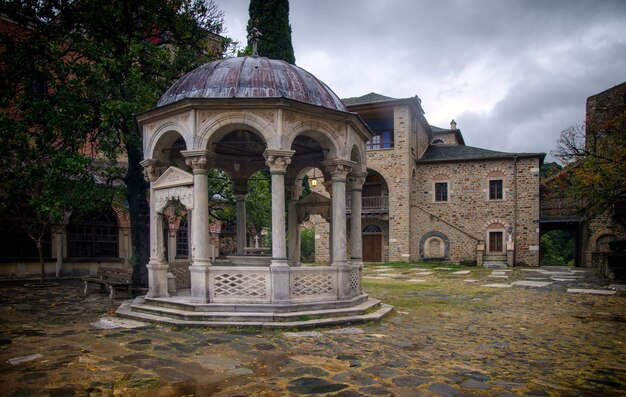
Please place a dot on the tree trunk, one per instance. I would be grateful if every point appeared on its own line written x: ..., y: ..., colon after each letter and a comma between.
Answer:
x: 139, y: 214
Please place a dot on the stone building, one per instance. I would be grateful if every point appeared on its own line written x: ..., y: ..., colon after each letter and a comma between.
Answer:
x: 592, y: 231
x: 429, y: 196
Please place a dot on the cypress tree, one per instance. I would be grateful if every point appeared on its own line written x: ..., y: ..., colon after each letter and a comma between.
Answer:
x: 271, y: 18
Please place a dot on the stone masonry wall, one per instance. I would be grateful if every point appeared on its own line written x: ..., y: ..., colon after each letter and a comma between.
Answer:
x: 469, y: 212
x: 394, y: 165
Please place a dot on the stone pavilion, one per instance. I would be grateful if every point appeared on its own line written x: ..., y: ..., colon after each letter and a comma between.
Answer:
x: 243, y: 115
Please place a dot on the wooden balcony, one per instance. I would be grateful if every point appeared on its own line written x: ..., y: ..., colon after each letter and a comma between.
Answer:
x: 371, y: 205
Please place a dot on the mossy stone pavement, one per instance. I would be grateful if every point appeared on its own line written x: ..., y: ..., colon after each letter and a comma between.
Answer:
x: 456, y: 331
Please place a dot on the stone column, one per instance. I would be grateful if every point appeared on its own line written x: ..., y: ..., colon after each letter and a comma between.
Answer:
x: 157, y: 266
x: 293, y: 227
x: 328, y: 185
x: 200, y: 250
x: 277, y: 161
x: 240, y: 197
x: 355, y: 186
x: 339, y: 169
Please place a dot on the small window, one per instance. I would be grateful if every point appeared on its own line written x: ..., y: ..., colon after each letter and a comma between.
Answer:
x: 383, y: 139
x: 441, y: 191
x: 495, y: 189
x: 182, y: 240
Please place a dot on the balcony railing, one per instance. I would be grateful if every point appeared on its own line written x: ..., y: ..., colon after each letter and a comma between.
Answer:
x: 371, y: 204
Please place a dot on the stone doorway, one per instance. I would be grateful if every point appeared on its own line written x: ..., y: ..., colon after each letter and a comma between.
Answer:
x: 372, y: 244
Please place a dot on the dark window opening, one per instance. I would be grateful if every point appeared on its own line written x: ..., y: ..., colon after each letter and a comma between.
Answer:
x: 16, y: 244
x: 182, y: 240
x: 441, y: 191
x: 495, y: 189
x: 94, y: 236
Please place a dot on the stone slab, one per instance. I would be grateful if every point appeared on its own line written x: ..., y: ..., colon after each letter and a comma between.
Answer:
x: 563, y: 279
x: 498, y: 285
x: 117, y: 322
x: 462, y: 272
x: 423, y: 273
x: 415, y: 280
x: 302, y: 334
x: 590, y: 291
x: 443, y: 268
x: 24, y: 359
x: 531, y: 283
x: 497, y: 276
x: 618, y: 287
x: 469, y: 280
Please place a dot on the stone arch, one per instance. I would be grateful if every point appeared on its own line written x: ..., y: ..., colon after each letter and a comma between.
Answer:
x: 356, y: 155
x: 602, y: 242
x: 495, y: 172
x: 218, y: 127
x: 317, y: 129
x: 122, y: 216
x: 434, y: 245
x: 164, y: 138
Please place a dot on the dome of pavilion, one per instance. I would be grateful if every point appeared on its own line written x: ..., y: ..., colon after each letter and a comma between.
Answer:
x: 252, y: 77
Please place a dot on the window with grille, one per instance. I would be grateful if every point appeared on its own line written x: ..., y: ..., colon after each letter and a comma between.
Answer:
x: 182, y: 240
x: 495, y: 189
x: 441, y: 191
x: 16, y: 244
x: 93, y: 236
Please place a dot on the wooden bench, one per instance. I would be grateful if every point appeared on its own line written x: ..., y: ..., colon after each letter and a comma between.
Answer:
x: 111, y: 278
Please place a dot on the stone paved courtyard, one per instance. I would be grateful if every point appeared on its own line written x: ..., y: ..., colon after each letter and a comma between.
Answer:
x: 456, y: 331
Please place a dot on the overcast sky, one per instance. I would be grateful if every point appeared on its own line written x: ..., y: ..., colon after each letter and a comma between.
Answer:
x: 512, y: 73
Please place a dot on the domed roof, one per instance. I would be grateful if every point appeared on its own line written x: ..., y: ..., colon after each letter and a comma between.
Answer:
x: 252, y: 77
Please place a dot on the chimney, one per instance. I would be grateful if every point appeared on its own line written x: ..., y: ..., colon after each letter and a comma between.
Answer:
x: 453, y: 125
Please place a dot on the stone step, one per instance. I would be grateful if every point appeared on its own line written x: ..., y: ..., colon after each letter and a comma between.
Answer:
x: 182, y: 302
x: 126, y: 311
x: 495, y: 265
x: 143, y: 306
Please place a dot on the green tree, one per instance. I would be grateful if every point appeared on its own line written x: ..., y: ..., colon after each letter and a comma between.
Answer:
x: 259, y: 202
x: 596, y: 155
x: 271, y: 18
x: 118, y: 57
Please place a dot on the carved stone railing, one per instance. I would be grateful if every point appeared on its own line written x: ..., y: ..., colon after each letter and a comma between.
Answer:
x: 252, y: 284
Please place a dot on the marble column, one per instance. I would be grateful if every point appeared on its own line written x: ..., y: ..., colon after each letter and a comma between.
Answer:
x: 277, y: 161
x: 328, y: 185
x: 293, y: 227
x: 200, y: 249
x: 355, y: 186
x: 240, y: 198
x: 339, y: 169
x: 157, y: 266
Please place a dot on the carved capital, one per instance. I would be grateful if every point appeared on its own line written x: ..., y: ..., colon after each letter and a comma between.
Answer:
x: 153, y: 169
x: 198, y: 160
x: 356, y: 180
x: 278, y: 160
x: 339, y: 169
x: 293, y: 193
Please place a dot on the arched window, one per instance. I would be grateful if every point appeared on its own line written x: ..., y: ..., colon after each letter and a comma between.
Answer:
x: 93, y: 236
x: 372, y: 229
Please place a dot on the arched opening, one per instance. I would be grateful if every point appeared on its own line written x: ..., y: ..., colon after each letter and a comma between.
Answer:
x: 558, y: 248
x: 375, y: 196
x: 168, y: 149
x: 93, y: 236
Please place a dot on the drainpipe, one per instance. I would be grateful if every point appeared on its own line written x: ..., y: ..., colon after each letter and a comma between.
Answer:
x: 515, y: 209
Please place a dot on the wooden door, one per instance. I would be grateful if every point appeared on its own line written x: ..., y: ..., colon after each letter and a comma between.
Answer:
x: 496, y: 244
x: 372, y: 248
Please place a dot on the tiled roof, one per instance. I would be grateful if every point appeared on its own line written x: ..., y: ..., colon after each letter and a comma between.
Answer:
x: 367, y: 98
x: 445, y: 152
